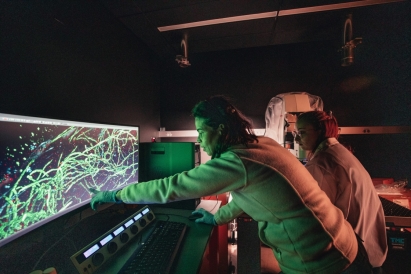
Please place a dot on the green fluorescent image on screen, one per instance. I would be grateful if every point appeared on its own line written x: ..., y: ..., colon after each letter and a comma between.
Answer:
x: 47, y: 167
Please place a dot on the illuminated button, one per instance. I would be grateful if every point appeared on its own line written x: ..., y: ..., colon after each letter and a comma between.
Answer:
x: 138, y: 216
x: 118, y: 230
x: 106, y: 239
x: 91, y: 251
x: 129, y: 223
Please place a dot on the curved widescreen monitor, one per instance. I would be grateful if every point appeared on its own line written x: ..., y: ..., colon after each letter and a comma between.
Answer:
x: 48, y: 165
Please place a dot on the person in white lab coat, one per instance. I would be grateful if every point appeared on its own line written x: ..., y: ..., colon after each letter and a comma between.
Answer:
x: 345, y: 181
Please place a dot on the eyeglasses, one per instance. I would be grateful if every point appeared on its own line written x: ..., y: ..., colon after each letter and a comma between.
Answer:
x: 296, y: 133
x: 300, y: 133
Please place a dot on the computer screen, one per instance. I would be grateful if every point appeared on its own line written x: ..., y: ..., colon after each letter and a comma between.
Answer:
x: 47, y: 167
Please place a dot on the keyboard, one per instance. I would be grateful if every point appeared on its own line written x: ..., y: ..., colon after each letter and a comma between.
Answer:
x: 157, y: 254
x: 395, y: 215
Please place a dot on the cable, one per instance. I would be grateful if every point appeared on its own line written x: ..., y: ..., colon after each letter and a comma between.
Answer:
x: 216, y: 203
x: 275, y: 23
x: 168, y: 216
x: 65, y: 235
x: 53, y: 245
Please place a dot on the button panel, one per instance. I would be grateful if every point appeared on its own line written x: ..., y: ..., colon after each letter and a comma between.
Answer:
x: 92, y: 256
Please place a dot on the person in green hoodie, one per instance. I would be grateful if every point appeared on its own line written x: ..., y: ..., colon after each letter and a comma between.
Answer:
x: 306, y: 232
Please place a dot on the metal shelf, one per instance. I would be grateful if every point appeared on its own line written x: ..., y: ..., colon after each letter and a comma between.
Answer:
x: 343, y: 130
x: 375, y: 130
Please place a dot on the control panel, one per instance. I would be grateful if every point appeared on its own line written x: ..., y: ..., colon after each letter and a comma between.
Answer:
x: 92, y: 256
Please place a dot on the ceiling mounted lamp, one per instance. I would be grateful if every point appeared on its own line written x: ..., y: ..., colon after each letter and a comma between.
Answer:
x: 348, y: 43
x: 182, y: 60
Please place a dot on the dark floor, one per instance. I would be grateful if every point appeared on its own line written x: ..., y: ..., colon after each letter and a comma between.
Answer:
x: 398, y: 262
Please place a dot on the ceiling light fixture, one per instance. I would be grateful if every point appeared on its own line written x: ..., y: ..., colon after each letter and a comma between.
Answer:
x: 182, y: 60
x: 348, y: 43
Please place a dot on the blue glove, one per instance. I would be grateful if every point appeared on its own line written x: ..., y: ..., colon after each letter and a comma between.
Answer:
x: 102, y: 197
x: 207, y: 218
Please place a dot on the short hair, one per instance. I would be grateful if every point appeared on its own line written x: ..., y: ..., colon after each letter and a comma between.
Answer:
x: 323, y: 121
x: 218, y: 110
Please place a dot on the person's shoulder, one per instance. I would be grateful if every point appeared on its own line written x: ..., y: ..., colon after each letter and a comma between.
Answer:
x: 339, y: 150
x: 335, y: 154
x: 263, y: 141
x: 232, y: 153
x: 266, y: 140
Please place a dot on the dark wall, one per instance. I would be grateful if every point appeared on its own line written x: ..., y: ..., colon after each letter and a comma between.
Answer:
x: 374, y: 91
x: 73, y: 60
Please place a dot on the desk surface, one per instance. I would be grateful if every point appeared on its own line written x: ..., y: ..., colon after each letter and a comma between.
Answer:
x: 191, y: 253
x: 402, y: 198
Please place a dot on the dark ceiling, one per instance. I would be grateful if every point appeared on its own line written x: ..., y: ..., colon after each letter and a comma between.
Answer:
x: 213, y: 25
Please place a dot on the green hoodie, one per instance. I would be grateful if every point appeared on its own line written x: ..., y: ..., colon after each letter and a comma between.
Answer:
x: 306, y: 232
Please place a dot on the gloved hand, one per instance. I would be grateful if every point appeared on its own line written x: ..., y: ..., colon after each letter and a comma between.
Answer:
x: 102, y: 197
x: 207, y: 218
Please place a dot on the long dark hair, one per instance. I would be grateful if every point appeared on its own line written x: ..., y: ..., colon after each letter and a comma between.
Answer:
x: 218, y: 110
x: 323, y: 121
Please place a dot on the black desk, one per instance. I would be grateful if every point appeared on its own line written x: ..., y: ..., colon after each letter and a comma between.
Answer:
x: 190, y: 257
x: 53, y: 244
